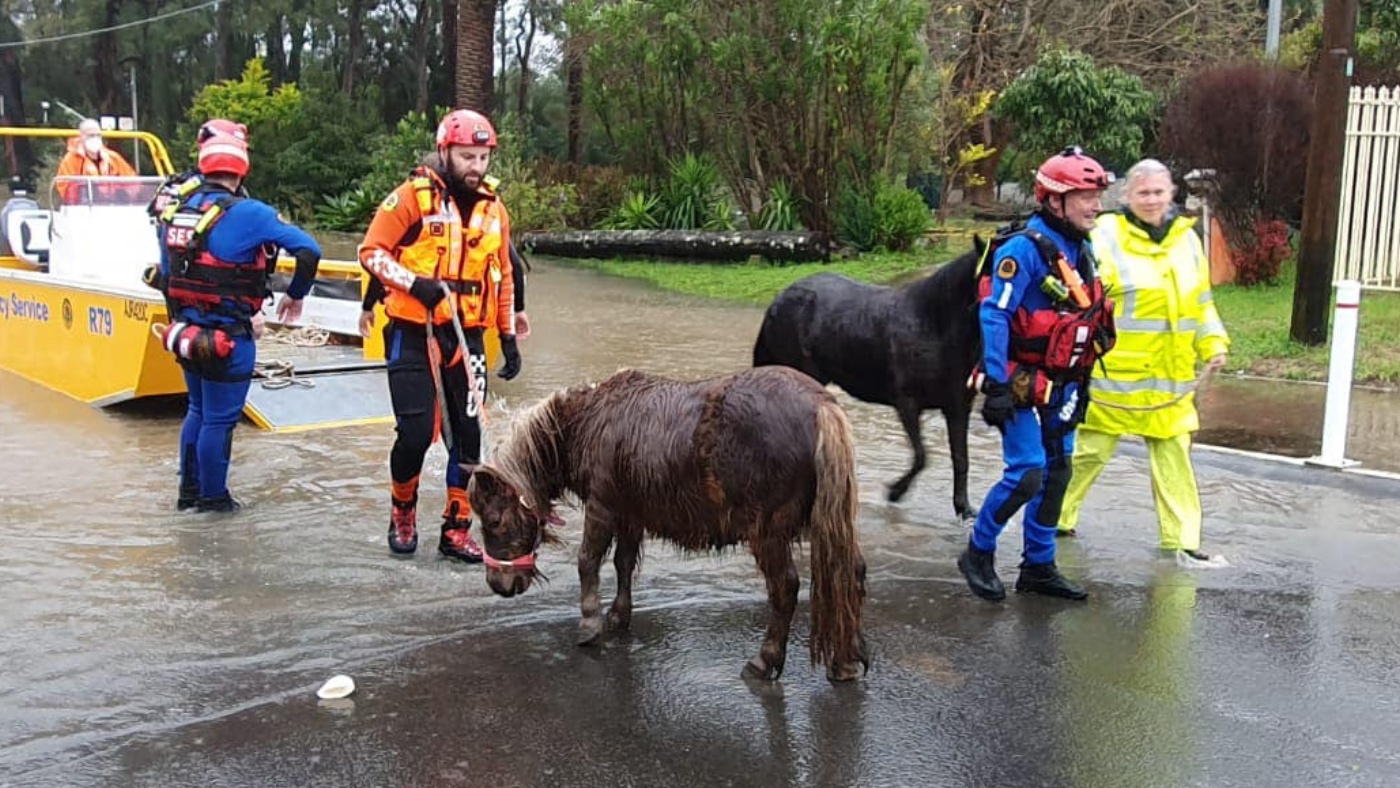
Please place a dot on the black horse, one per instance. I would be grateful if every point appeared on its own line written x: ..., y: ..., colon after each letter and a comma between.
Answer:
x: 912, y: 347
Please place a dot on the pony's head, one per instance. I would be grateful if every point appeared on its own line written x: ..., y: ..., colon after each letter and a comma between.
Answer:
x: 512, y: 530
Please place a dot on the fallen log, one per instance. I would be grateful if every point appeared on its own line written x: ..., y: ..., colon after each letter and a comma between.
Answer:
x: 693, y: 245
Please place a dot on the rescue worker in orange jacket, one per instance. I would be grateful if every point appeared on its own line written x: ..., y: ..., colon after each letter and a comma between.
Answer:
x: 88, y: 157
x: 440, y: 244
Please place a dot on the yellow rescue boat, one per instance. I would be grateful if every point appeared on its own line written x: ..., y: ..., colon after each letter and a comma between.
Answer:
x: 75, y: 316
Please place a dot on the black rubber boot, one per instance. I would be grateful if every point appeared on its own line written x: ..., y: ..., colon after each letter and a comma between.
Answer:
x: 979, y: 567
x: 227, y: 503
x: 188, y: 499
x: 403, y: 527
x: 1046, y: 580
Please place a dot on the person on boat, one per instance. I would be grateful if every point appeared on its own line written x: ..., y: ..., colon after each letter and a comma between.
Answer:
x: 1043, y: 321
x: 217, y: 249
x: 439, y: 244
x: 88, y: 156
x: 1153, y: 264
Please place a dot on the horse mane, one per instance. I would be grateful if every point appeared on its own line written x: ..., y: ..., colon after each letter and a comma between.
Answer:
x: 945, y: 295
x: 531, y: 457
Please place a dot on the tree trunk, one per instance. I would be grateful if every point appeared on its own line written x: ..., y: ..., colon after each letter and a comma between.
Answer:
x: 985, y: 194
x: 422, y: 24
x: 450, y: 21
x: 524, y: 44
x: 356, y: 43
x: 18, y: 153
x: 690, y: 245
x: 573, y: 71
x: 276, y: 52
x: 297, y: 22
x: 476, y: 29
x: 106, y: 78
x: 223, y: 47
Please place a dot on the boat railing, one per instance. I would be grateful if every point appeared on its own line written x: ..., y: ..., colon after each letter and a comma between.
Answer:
x: 103, y: 190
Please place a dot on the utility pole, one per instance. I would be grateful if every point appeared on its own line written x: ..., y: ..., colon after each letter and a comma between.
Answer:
x: 1275, y: 22
x: 1322, y: 190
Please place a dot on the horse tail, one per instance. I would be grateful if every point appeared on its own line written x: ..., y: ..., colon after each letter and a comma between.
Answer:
x: 838, y: 570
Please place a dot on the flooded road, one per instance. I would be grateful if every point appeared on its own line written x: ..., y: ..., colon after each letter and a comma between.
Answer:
x: 142, y: 647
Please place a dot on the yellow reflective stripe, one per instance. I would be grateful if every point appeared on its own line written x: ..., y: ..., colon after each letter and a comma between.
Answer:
x: 1109, y: 240
x: 1210, y: 328
x: 423, y: 188
x: 207, y: 219
x: 1154, y: 385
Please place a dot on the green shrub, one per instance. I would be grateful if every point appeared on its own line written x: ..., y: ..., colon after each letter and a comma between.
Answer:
x: 600, y: 188
x: 780, y: 210
x: 1066, y: 99
x: 693, y: 198
x: 855, y: 217
x: 892, y: 218
x: 349, y: 211
x: 397, y: 153
x: 637, y: 211
x: 901, y: 217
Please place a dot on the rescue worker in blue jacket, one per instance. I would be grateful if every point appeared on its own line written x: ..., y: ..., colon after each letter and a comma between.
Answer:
x: 217, y: 249
x: 1039, y: 293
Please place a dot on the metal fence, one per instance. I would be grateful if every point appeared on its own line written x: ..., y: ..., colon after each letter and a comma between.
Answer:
x: 1368, y: 232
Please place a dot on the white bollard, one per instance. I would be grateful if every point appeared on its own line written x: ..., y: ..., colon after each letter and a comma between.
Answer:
x: 1339, y: 376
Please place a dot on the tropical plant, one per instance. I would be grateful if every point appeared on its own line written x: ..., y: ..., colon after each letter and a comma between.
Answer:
x: 637, y: 211
x: 780, y: 210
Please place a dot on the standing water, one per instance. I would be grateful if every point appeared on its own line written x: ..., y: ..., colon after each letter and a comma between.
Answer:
x: 144, y: 647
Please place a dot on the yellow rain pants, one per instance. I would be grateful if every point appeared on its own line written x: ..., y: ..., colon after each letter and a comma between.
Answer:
x: 1173, y: 484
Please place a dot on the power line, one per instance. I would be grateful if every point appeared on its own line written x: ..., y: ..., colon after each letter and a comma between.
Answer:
x: 99, y: 31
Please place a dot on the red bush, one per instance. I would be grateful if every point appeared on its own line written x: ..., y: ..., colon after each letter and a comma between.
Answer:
x: 1249, y: 123
x: 1259, y: 256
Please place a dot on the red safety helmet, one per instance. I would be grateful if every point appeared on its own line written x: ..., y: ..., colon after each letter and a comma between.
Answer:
x: 1069, y: 171
x: 465, y: 127
x: 223, y: 147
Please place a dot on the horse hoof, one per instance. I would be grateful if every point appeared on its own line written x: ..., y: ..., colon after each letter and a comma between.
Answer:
x: 619, y: 622
x: 842, y: 673
x: 759, y: 670
x: 588, y: 632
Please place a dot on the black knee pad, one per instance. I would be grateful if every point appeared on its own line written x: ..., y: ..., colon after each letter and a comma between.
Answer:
x: 1024, y: 492
x: 1056, y: 484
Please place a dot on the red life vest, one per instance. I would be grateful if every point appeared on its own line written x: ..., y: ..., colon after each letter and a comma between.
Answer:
x: 199, y: 279
x: 1068, y: 339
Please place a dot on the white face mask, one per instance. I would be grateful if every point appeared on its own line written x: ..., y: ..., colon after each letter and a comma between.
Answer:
x: 93, y: 145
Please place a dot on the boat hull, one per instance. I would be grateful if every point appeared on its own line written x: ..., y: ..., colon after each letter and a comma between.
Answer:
x: 91, y: 344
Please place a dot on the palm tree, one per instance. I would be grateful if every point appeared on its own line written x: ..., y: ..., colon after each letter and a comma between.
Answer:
x: 476, y: 25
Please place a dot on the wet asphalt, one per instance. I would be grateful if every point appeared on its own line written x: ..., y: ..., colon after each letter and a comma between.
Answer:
x: 145, y: 648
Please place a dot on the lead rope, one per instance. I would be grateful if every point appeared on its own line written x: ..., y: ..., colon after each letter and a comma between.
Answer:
x: 474, y: 392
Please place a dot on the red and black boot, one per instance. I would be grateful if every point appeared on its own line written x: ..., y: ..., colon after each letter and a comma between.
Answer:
x: 457, y: 541
x: 403, y: 527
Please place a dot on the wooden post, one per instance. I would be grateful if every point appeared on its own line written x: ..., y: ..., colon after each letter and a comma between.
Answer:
x: 1322, y: 192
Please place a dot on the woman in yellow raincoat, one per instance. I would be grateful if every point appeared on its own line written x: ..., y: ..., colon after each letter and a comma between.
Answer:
x: 1155, y: 268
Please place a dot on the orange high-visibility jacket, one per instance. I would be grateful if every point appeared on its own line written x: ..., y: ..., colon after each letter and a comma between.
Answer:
x: 76, y: 162
x: 419, y: 232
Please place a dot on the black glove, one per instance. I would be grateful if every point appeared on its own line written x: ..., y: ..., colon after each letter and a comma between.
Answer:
x: 428, y: 291
x: 512, y: 355
x: 998, y: 409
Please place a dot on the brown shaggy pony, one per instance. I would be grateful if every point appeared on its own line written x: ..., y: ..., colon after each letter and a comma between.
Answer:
x: 762, y: 457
